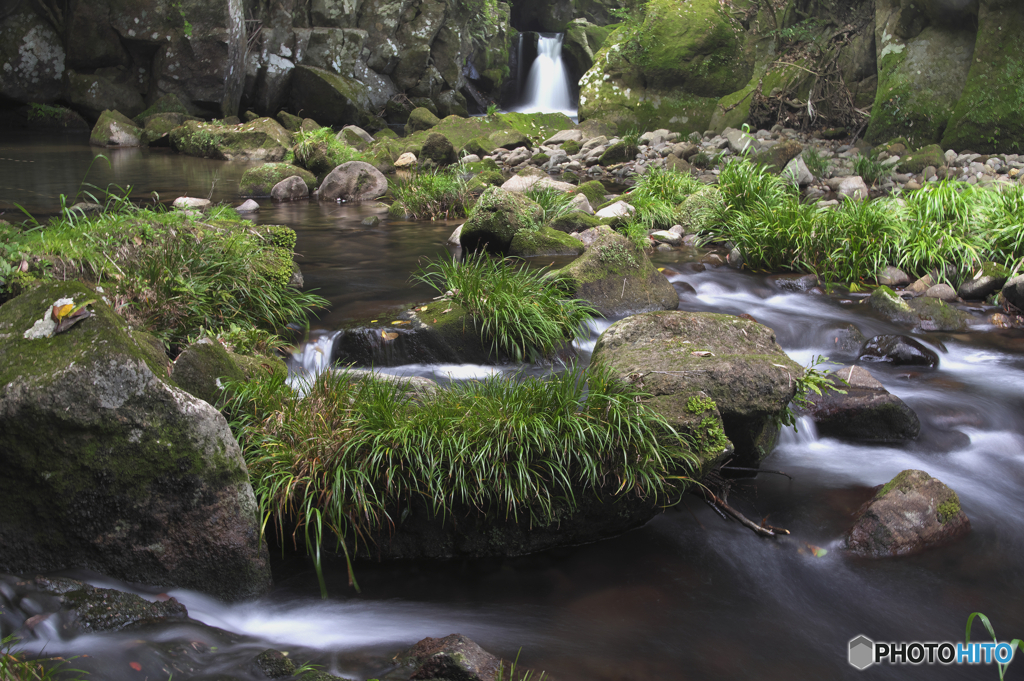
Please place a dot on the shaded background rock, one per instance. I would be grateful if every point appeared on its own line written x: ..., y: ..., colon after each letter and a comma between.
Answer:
x: 863, y: 412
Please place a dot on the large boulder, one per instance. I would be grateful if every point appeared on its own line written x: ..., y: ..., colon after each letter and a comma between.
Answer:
x: 617, y: 278
x: 353, y: 181
x: 332, y: 99
x: 857, y: 407
x: 497, y: 217
x: 258, y: 181
x: 897, y: 351
x: 91, y: 94
x: 263, y: 139
x: 109, y: 467
x: 911, y: 512
x: 685, y: 359
x: 114, y: 129
x: 528, y: 243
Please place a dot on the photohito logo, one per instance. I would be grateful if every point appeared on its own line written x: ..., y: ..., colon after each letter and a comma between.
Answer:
x: 864, y: 652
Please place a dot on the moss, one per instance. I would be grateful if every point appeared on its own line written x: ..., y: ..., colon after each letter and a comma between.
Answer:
x: 576, y: 221
x: 949, y: 509
x: 420, y: 119
x: 385, y: 133
x: 544, y: 241
x: 483, y: 165
x: 594, y: 191
x: 541, y: 158
x: 481, y: 146
x: 263, y: 139
x: 901, y: 482
x: 571, y: 147
x: 496, y: 218
x: 199, y: 370
x: 931, y: 155
x: 885, y: 301
x: 509, y: 139
x: 169, y: 103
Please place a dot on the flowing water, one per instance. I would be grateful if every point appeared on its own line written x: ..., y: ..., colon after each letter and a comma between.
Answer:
x: 547, y: 84
x: 688, y: 596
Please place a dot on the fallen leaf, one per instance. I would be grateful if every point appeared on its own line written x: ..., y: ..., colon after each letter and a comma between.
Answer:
x: 59, y: 312
x: 388, y: 335
x: 661, y: 269
x: 446, y: 311
x: 435, y: 321
x: 136, y: 666
x: 32, y: 621
x: 400, y: 321
x: 817, y: 551
x: 373, y: 321
x: 702, y: 353
x: 137, y: 240
x: 423, y: 309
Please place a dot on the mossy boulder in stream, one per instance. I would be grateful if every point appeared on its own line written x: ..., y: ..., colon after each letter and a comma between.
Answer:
x: 114, y: 129
x: 680, y: 357
x: 496, y: 219
x: 543, y: 241
x: 107, y: 466
x: 617, y: 278
x: 261, y: 140
x: 260, y: 180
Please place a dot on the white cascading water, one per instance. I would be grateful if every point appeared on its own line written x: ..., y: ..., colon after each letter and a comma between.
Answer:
x: 547, y: 85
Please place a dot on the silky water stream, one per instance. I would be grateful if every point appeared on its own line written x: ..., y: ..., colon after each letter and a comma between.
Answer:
x: 688, y: 596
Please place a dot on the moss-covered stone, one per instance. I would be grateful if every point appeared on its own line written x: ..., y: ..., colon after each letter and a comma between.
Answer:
x: 576, y: 221
x: 886, y: 302
x: 617, y: 278
x: 437, y: 149
x: 261, y: 140
x: 169, y: 103
x: 481, y: 146
x: 594, y: 191
x: 509, y: 139
x: 115, y: 129
x: 776, y: 157
x: 700, y: 211
x: 201, y: 370
x: 936, y: 315
x: 258, y: 181
x: 496, y: 218
x: 420, y: 119
x: 109, y: 467
x: 619, y: 152
x: 571, y: 147
x: 931, y: 155
x: 544, y: 241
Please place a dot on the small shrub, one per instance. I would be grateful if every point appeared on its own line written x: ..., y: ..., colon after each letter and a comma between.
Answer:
x: 816, y: 163
x: 702, y: 160
x: 870, y: 170
x: 320, y: 151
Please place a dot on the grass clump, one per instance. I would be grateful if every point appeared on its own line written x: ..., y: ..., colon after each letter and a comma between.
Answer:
x: 554, y: 202
x: 433, y: 195
x: 656, y: 198
x: 173, y: 272
x: 519, y: 312
x: 948, y: 227
x: 818, y: 164
x: 870, y: 170
x: 320, y: 151
x: 341, y: 461
x: 14, y: 666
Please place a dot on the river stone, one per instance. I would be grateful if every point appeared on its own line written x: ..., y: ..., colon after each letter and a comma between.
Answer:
x: 191, y: 203
x: 114, y: 129
x: 911, y: 512
x: 437, y: 149
x: 988, y: 279
x: 619, y: 209
x: 406, y: 160
x: 572, y: 134
x: 898, y: 351
x: 1013, y: 292
x: 936, y: 315
x: 248, y: 206
x: 735, y: 362
x: 290, y: 189
x: 891, y: 306
x: 420, y: 119
x: 943, y: 292
x: 616, y: 277
x: 527, y: 243
x: 109, y: 467
x: 498, y: 215
x: 844, y: 342
x: 451, y: 657
x: 259, y: 181
x: 867, y: 412
x: 202, y: 368
x: 261, y: 140
x: 353, y: 181
x: 892, y: 276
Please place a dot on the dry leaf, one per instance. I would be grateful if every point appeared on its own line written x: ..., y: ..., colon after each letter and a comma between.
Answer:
x: 373, y: 321
x: 388, y: 335
x: 136, y: 666
x: 702, y: 353
x: 817, y: 551
x: 446, y: 311
x: 400, y: 321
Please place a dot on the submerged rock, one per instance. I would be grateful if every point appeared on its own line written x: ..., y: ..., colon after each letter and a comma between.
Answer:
x: 109, y: 467
x: 864, y: 411
x: 898, y: 351
x: 617, y: 278
x: 680, y: 356
x: 911, y: 512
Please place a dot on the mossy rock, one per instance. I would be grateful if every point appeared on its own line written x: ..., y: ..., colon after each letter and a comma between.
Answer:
x: 576, y: 221
x: 616, y: 277
x: 987, y: 118
x: 496, y: 218
x: 437, y: 149
x: 485, y: 164
x: 484, y: 179
x: 936, y: 315
x: 261, y: 140
x: 420, y: 119
x: 509, y: 139
x: 169, y: 103
x: 481, y: 146
x: 571, y: 147
x: 159, y: 126
x: 385, y: 133
x: 735, y: 362
x: 616, y: 153
x: 289, y: 121
x: 115, y: 129
x: 258, y: 181
x: 202, y: 369
x: 885, y: 301
x: 594, y: 191
x: 333, y: 99
x: 699, y: 211
x: 528, y: 243
x: 931, y: 155
x: 109, y: 467
x: 775, y: 158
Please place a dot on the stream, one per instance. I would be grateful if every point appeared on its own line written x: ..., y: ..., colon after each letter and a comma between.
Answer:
x: 689, y: 595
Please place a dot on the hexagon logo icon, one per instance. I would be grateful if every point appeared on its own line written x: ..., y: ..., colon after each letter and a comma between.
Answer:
x: 862, y: 652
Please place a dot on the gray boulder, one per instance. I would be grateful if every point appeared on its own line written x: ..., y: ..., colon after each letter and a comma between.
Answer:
x: 911, y: 512
x: 114, y: 129
x: 290, y: 189
x: 1013, y: 292
x: 988, y: 279
x: 109, y: 467
x: 353, y: 181
x: 686, y: 358
x: 260, y: 180
x: 31, y: 56
x: 616, y: 277
x: 451, y: 657
x: 863, y: 412
x: 498, y: 216
x: 898, y: 351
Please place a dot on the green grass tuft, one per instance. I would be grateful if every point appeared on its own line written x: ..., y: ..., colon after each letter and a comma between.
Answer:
x: 519, y: 312
x: 434, y: 195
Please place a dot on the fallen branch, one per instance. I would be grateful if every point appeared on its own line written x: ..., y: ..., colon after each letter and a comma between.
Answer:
x: 755, y: 470
x: 742, y: 519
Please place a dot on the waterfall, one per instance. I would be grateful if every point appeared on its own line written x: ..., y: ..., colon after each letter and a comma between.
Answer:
x: 547, y: 85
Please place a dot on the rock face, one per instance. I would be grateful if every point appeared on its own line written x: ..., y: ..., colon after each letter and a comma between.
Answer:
x: 867, y: 412
x: 617, y: 278
x: 911, y: 512
x: 353, y: 181
x: 681, y: 356
x: 32, y: 58
x: 109, y: 467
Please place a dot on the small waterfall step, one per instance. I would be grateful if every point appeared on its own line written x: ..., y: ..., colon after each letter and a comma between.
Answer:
x: 547, y: 85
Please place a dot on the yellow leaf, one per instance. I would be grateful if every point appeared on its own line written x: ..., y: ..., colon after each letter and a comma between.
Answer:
x: 389, y: 335
x: 817, y: 551
x: 59, y: 312
x: 373, y: 321
x: 661, y: 269
x: 400, y: 321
